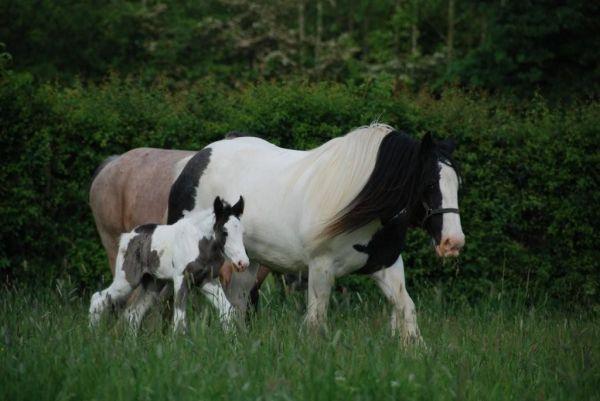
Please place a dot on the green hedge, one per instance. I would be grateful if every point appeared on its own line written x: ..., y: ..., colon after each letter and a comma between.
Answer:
x: 529, y: 201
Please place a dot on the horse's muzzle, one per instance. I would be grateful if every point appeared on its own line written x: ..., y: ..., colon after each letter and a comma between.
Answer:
x: 450, y: 246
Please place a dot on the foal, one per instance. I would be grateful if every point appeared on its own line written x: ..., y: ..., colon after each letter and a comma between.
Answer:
x: 192, y: 249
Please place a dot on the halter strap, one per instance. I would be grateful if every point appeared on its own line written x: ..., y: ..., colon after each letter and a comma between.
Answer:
x: 432, y: 212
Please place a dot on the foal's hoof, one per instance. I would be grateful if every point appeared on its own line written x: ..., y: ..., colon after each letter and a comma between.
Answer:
x: 413, y: 340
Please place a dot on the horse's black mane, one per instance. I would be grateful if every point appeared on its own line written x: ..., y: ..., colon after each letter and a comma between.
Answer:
x: 402, y: 172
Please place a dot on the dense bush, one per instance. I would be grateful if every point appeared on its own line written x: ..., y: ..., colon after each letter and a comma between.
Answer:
x: 505, y: 46
x: 529, y: 199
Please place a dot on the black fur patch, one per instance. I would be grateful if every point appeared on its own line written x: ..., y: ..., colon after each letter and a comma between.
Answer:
x: 183, y: 192
x: 385, y: 246
x: 146, y: 228
x: 139, y: 258
x: 211, y: 250
x: 210, y: 259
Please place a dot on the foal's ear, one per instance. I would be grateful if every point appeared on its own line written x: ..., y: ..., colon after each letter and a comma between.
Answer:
x: 238, y: 208
x: 427, y: 144
x: 218, y: 207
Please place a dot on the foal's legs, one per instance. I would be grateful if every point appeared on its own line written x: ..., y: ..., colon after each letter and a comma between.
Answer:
x: 215, y: 294
x: 117, y: 293
x: 147, y: 296
x: 404, y: 317
x: 320, y: 281
x: 180, y: 290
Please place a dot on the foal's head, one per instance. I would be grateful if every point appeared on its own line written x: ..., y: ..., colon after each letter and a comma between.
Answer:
x: 229, y: 231
x: 438, y: 212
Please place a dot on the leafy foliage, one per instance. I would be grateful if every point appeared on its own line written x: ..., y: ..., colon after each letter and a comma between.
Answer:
x: 528, y: 200
x: 496, y: 45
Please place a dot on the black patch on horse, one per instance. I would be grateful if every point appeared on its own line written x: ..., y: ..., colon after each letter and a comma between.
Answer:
x: 139, y: 258
x: 210, y: 259
x: 385, y: 246
x: 183, y: 192
x: 146, y: 228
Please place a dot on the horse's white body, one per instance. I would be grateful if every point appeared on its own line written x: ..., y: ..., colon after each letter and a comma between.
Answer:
x: 290, y: 197
x: 280, y: 221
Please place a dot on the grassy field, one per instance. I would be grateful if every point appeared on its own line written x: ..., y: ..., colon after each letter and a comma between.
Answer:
x: 488, y: 351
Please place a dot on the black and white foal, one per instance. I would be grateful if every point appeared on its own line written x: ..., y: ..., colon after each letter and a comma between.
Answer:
x: 191, y: 250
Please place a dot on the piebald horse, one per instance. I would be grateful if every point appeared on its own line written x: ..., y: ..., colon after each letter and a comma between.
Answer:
x: 329, y: 210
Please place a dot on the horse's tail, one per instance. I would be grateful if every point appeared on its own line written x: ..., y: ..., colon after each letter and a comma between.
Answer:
x: 101, y: 166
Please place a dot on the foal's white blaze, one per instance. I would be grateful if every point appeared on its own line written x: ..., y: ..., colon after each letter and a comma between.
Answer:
x: 234, y: 245
x: 452, y: 238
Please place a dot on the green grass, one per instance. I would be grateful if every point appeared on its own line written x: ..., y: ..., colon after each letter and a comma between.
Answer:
x: 488, y: 351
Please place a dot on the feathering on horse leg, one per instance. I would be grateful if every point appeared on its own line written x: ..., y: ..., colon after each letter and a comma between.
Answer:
x: 392, y: 283
x: 320, y: 281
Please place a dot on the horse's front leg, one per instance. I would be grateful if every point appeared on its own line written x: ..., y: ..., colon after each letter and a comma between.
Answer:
x: 320, y: 280
x: 180, y: 290
x: 404, y: 316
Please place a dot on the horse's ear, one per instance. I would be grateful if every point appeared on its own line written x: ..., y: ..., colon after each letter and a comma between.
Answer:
x: 238, y: 208
x: 427, y: 144
x: 448, y: 146
x: 218, y: 207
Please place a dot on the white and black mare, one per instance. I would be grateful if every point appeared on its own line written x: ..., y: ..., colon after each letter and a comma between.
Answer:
x: 338, y: 209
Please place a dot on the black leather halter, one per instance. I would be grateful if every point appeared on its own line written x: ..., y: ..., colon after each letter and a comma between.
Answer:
x: 432, y: 212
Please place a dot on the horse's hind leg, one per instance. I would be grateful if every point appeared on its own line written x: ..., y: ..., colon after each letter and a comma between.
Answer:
x: 117, y: 293
x: 392, y: 283
x: 148, y: 295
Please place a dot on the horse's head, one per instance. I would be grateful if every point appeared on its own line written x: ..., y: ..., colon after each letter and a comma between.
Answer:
x: 437, y: 211
x: 229, y: 231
